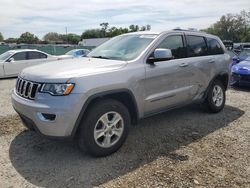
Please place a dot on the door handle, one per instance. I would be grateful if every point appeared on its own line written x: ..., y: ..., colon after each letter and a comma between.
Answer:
x: 211, y: 61
x: 183, y: 65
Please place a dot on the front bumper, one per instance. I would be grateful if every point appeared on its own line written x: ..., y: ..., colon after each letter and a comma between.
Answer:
x: 65, y: 108
x: 241, y: 79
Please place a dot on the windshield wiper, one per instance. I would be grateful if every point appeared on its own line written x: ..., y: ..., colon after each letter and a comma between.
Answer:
x: 100, y: 57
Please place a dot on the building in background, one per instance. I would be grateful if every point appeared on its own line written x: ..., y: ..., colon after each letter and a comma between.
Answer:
x: 93, y: 42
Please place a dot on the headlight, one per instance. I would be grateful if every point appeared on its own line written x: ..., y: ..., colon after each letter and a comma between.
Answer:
x: 57, y: 89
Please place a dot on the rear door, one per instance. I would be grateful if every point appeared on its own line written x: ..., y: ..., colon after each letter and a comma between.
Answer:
x: 35, y: 58
x: 216, y: 53
x: 15, y: 67
x: 201, y: 61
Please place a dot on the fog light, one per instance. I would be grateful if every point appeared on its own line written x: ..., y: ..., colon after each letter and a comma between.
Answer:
x: 47, y: 117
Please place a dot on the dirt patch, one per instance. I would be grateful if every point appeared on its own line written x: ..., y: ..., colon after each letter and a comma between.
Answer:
x: 10, y: 124
x: 6, y: 86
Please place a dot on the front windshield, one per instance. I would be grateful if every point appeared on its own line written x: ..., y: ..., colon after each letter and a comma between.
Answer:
x: 248, y: 59
x: 245, y: 53
x: 125, y: 47
x: 5, y: 56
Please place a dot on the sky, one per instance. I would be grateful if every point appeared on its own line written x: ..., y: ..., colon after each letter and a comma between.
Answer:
x: 43, y: 16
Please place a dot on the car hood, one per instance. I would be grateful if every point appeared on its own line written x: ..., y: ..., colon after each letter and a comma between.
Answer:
x: 62, y: 71
x: 242, y: 67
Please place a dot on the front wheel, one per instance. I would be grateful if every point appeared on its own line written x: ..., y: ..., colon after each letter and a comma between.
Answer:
x: 216, y: 97
x: 104, y: 128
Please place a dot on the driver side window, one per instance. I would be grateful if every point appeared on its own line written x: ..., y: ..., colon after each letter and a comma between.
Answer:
x: 175, y: 44
x: 19, y: 56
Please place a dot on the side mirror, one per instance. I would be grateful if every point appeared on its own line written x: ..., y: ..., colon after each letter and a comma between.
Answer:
x: 11, y: 60
x: 161, y: 54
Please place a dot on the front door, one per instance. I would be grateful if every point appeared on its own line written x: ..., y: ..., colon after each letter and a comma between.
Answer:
x: 169, y: 83
x: 18, y: 63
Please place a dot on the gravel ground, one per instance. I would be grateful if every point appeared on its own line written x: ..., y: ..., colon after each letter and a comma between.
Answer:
x: 182, y: 148
x: 6, y: 85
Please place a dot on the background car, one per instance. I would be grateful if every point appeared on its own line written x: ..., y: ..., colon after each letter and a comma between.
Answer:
x: 13, y: 62
x: 244, y: 54
x: 234, y: 57
x: 78, y: 52
x: 241, y: 73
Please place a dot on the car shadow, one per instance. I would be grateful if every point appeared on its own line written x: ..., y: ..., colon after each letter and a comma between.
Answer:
x: 47, y: 163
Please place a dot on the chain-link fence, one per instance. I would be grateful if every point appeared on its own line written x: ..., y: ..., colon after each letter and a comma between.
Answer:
x: 50, y: 49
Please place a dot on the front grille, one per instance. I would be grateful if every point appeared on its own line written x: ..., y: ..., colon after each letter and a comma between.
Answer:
x: 27, y: 89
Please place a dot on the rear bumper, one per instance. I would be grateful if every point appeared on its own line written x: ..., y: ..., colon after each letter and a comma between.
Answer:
x: 66, y: 110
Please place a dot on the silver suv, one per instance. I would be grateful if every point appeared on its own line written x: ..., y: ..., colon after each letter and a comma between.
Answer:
x: 132, y: 76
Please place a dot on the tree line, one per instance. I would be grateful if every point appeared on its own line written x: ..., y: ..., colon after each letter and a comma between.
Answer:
x: 234, y: 27
x: 55, y: 38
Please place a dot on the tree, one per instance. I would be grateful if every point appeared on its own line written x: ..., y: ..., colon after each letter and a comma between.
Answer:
x: 231, y: 27
x: 28, y: 38
x: 245, y: 37
x: 51, y: 37
x: 104, y: 28
x: 134, y: 28
x: 72, y: 38
x: 106, y: 31
x: 11, y: 40
x: 1, y: 37
x: 91, y: 33
x: 148, y: 27
x: 143, y: 28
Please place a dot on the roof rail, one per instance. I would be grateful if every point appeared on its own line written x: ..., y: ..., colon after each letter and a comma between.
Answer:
x: 189, y: 29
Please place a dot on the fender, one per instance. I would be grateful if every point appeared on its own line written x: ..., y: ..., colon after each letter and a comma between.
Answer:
x: 221, y: 74
x: 100, y: 95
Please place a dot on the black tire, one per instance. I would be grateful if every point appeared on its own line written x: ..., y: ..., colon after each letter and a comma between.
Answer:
x: 210, y: 105
x: 86, y: 140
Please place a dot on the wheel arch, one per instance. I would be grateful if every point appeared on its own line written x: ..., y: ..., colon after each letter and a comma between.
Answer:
x: 223, y: 77
x: 125, y: 96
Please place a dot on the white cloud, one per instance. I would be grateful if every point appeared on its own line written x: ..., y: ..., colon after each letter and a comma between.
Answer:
x: 42, y: 16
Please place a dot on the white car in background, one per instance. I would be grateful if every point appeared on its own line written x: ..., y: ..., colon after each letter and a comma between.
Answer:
x: 13, y: 62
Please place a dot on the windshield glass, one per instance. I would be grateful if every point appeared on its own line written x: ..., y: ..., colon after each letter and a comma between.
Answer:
x: 71, y: 52
x: 245, y: 53
x: 248, y: 59
x: 125, y: 48
x: 5, y: 56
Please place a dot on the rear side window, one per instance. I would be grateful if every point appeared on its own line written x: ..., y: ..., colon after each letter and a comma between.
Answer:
x: 175, y: 44
x: 36, y: 55
x: 19, y: 56
x: 214, y: 47
x: 196, y: 46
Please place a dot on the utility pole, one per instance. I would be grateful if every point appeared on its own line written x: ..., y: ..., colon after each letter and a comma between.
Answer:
x: 66, y: 30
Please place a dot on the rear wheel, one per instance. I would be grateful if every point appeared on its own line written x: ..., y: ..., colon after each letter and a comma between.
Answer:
x: 216, y: 97
x: 104, y: 128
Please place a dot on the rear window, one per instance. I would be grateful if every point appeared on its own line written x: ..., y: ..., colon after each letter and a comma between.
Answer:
x: 36, y: 55
x: 196, y: 46
x: 214, y: 47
